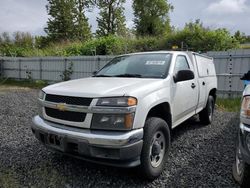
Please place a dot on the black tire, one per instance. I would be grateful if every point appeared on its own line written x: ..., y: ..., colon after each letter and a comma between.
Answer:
x: 156, y: 132
x: 242, y: 176
x: 206, y: 115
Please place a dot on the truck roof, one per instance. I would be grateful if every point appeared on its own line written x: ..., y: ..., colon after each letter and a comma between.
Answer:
x: 189, y: 53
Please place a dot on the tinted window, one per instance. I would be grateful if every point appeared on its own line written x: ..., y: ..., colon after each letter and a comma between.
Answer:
x: 181, y: 64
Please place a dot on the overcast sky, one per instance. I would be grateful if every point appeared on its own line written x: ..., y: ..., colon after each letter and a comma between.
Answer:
x: 31, y: 15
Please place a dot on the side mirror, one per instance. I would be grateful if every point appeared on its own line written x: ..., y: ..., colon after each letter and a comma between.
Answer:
x: 183, y: 75
x: 94, y: 73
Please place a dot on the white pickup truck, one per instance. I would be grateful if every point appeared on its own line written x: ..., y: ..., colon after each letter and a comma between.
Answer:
x: 123, y: 115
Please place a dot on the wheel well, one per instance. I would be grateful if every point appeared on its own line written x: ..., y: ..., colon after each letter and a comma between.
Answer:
x: 213, y: 94
x: 162, y: 111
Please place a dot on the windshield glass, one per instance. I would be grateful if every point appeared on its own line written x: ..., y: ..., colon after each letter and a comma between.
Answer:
x: 138, y: 65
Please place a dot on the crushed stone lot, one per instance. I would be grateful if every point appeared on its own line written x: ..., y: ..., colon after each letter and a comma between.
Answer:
x: 200, y: 156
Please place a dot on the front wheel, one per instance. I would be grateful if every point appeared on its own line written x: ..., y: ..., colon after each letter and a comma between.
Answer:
x: 241, y: 170
x: 156, y: 145
x: 206, y: 115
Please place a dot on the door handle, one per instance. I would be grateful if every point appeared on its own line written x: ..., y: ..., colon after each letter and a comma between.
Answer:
x: 203, y: 83
x: 193, y: 85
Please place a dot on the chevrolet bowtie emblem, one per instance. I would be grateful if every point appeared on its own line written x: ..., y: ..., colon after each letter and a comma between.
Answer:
x: 61, y: 106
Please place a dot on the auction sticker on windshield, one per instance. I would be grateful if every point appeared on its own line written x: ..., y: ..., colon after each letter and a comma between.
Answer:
x: 155, y: 62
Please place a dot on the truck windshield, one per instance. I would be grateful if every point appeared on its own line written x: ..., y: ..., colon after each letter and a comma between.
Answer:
x: 137, y: 65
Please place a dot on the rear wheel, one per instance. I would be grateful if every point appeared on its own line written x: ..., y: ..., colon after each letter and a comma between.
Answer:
x: 206, y: 115
x: 156, y: 145
x: 241, y: 170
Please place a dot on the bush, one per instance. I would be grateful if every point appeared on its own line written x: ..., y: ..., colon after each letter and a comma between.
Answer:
x: 109, y: 45
x: 147, y: 44
x: 197, y: 38
x: 193, y: 37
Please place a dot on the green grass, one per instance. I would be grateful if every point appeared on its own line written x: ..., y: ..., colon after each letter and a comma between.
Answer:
x: 230, y: 105
x: 38, y: 84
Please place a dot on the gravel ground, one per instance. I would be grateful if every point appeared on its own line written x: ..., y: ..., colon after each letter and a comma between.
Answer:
x: 201, y: 156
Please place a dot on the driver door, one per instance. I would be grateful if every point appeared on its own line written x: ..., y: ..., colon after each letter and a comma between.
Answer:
x: 184, y: 93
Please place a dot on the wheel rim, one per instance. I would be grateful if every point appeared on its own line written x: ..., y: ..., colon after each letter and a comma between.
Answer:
x: 157, y: 149
x: 239, y: 163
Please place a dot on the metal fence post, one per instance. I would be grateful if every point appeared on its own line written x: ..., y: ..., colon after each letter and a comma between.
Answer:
x: 230, y: 75
x: 99, y: 63
x: 1, y: 68
x: 19, y: 68
x: 40, y: 69
x: 65, y: 64
x: 65, y: 69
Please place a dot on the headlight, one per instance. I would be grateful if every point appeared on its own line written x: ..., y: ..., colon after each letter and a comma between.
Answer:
x: 112, y: 121
x: 245, y: 110
x: 41, y: 95
x: 117, y: 101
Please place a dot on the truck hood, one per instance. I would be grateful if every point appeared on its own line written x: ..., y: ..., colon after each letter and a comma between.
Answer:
x: 105, y: 87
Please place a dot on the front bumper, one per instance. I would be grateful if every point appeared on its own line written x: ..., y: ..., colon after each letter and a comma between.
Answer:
x: 114, y: 148
x: 244, y: 131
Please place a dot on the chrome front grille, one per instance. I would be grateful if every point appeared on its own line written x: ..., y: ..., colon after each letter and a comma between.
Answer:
x: 66, y: 108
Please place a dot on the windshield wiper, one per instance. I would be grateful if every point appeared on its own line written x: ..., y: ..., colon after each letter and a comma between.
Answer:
x: 129, y: 75
x: 102, y: 75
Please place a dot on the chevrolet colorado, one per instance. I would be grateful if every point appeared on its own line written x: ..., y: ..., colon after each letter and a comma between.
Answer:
x: 123, y: 114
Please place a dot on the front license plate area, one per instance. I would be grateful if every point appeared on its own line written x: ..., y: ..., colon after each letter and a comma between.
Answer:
x: 54, y: 140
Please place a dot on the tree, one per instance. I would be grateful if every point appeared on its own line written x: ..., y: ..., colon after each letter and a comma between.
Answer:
x: 111, y: 20
x: 151, y: 17
x: 23, y: 39
x: 67, y: 20
x: 247, y: 39
x: 82, y: 28
x: 241, y: 37
x: 6, y: 38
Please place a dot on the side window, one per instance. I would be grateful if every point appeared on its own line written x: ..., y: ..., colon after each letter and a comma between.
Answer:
x: 181, y: 64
